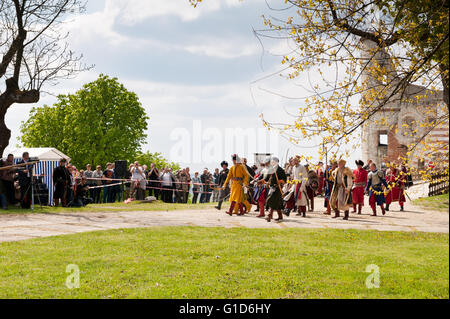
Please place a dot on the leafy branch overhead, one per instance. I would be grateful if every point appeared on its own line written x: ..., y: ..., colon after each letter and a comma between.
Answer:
x: 357, y: 58
x: 33, y: 51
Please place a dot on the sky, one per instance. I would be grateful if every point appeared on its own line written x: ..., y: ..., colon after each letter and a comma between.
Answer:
x: 201, y: 74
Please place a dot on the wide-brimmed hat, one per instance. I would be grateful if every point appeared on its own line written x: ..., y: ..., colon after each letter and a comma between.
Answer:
x: 342, y: 161
x: 359, y: 162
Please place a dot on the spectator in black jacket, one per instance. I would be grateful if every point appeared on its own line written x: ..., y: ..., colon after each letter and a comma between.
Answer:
x: 221, y: 180
x: 207, y: 180
x: 154, y: 184
x: 61, y: 180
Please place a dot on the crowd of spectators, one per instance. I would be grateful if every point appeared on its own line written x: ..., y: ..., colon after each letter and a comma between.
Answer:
x: 139, y: 182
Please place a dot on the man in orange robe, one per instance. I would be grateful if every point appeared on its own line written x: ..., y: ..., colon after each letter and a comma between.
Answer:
x: 238, y: 176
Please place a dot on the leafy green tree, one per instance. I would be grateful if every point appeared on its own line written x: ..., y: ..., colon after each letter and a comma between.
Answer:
x: 157, y: 159
x: 102, y: 122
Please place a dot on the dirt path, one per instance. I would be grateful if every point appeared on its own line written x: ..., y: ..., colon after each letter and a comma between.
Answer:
x: 22, y: 227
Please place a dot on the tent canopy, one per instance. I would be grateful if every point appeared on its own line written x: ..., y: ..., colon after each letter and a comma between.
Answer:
x: 43, y: 154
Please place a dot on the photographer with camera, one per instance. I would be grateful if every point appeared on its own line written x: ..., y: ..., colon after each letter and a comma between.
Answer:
x: 81, y: 194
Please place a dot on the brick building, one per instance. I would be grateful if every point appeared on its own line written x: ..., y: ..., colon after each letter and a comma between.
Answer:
x: 399, y: 124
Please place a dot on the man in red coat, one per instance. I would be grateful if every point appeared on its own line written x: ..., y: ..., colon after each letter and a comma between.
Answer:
x: 396, y: 180
x: 359, y: 186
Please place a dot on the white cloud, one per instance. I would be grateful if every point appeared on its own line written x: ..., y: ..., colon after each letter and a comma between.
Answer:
x: 135, y: 11
x: 223, y: 48
x: 98, y: 27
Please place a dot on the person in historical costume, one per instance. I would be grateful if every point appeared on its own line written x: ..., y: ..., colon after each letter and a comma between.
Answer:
x: 261, y: 190
x: 288, y: 196
x: 299, y: 191
x: 61, y: 180
x: 328, y: 187
x: 275, y: 179
x: 238, y: 176
x: 256, y: 188
x: 359, y: 186
x: 289, y: 167
x: 375, y: 183
x: 396, y: 180
x: 247, y: 190
x: 321, y: 176
x: 289, y: 188
x: 341, y: 195
x: 223, y: 193
x: 312, y: 185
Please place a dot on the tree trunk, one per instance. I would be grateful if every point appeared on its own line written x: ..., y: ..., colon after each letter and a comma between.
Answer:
x: 5, y: 132
x: 12, y: 95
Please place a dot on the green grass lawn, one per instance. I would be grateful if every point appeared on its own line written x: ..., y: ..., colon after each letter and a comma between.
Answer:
x: 106, y: 208
x: 439, y: 203
x: 194, y: 262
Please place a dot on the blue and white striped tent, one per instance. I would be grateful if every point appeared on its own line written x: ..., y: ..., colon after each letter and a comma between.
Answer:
x: 49, y: 160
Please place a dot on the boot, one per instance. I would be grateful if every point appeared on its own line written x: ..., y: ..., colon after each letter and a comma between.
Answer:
x: 269, y: 217
x: 301, y: 211
x: 387, y: 208
x: 374, y: 211
x: 248, y: 207
x: 261, y: 210
x: 402, y: 209
x: 336, y: 214
x: 287, y: 212
x: 383, y: 210
x: 347, y: 213
x: 354, y: 209
x: 241, y: 209
x: 328, y: 211
x: 219, y: 205
x: 359, y: 209
x: 280, y: 216
x: 230, y: 212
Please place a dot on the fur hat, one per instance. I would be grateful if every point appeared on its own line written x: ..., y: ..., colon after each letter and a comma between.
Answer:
x: 359, y: 162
